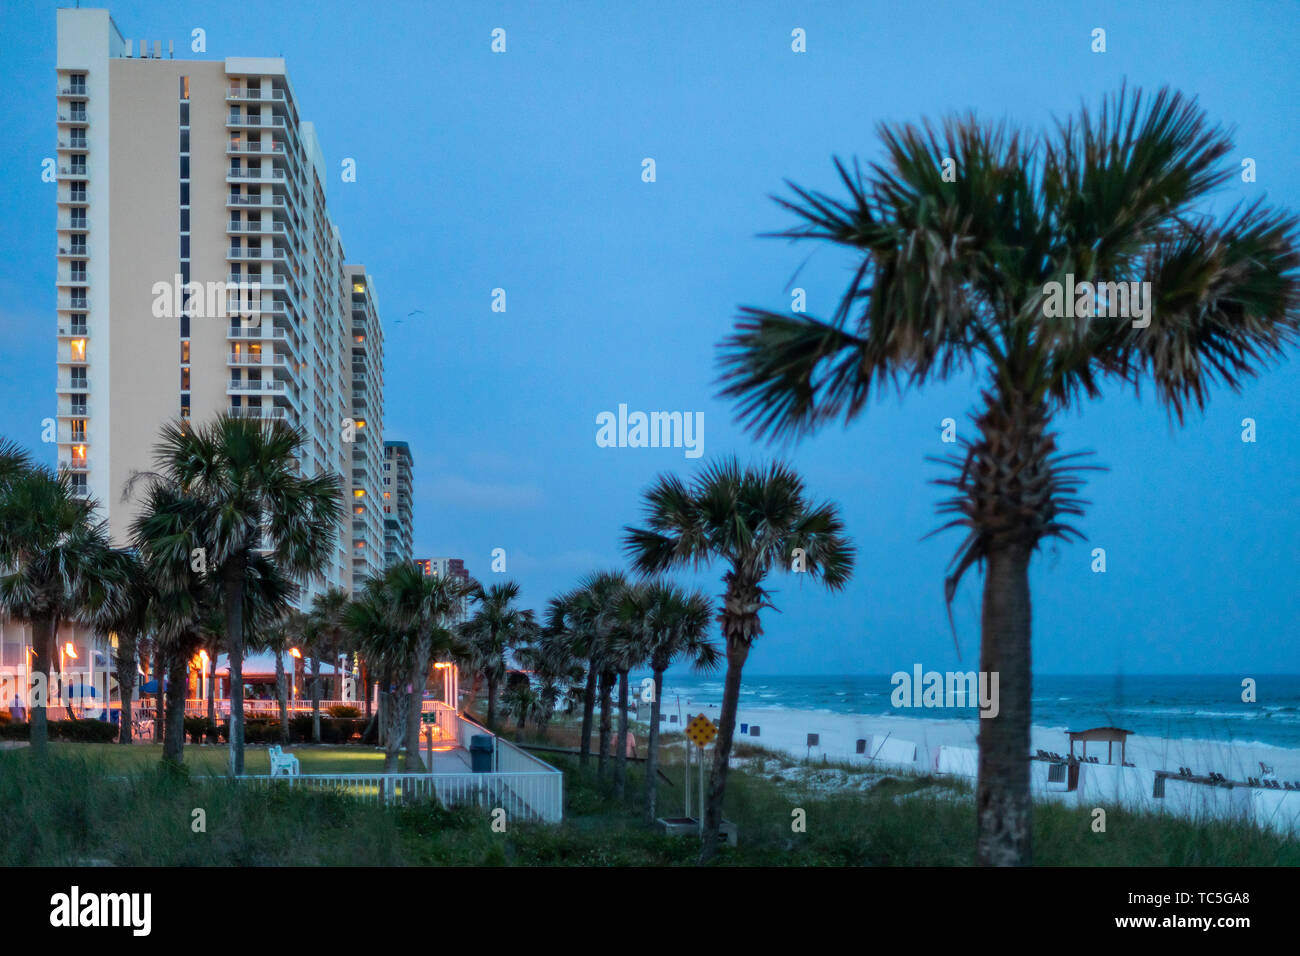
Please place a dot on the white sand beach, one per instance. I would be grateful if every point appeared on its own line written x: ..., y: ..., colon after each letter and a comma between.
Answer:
x: 787, y: 730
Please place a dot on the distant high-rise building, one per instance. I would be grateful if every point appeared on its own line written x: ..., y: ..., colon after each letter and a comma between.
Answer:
x: 447, y: 567
x: 399, y: 520
x: 367, y: 391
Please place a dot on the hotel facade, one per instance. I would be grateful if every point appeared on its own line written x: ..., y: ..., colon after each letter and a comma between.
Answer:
x: 198, y: 273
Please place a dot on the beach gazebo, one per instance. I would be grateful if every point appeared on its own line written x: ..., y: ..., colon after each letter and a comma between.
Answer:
x: 1107, y: 735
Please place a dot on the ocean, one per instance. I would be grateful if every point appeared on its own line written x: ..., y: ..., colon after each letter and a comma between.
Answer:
x: 1202, y: 707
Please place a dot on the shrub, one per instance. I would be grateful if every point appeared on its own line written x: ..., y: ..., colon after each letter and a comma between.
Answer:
x: 196, y: 728
x: 344, y: 711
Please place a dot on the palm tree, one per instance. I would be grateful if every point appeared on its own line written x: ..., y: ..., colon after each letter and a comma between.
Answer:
x: 672, y: 624
x: 958, y: 274
x: 278, y: 634
x: 627, y: 649
x: 583, y: 615
x: 126, y: 618
x: 327, y: 630
x: 401, y: 621
x: 552, y: 660
x: 54, y: 557
x: 755, y: 520
x: 495, y: 627
x: 245, y: 473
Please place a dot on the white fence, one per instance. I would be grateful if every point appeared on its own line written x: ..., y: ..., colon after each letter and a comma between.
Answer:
x: 536, y: 797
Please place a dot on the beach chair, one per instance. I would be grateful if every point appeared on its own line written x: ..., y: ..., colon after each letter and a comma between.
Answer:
x: 283, y: 764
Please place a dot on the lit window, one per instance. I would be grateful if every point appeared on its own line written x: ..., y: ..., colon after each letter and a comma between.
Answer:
x: 185, y: 87
x: 78, y: 349
x: 79, y: 454
x: 359, y: 510
x: 358, y: 493
x: 388, y: 494
x: 185, y: 350
x: 361, y: 423
x: 358, y: 287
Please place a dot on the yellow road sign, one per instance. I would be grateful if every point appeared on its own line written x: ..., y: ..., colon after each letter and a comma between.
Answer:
x: 701, y: 731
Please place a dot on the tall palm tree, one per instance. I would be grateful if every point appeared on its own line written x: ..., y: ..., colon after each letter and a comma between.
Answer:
x: 954, y: 275
x: 754, y: 520
x: 54, y: 556
x: 126, y: 619
x: 245, y: 472
x: 369, y: 619
x: 552, y: 660
x: 278, y: 634
x: 583, y: 614
x: 672, y: 625
x: 327, y: 630
x: 627, y: 649
x: 495, y: 627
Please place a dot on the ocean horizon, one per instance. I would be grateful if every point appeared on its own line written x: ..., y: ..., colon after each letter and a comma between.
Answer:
x: 1198, y: 706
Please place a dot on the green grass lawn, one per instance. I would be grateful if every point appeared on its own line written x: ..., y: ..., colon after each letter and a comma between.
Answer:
x: 314, y: 758
x: 116, y: 804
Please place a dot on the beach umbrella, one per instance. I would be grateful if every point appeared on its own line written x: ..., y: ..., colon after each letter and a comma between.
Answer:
x: 151, y: 687
x: 79, y: 690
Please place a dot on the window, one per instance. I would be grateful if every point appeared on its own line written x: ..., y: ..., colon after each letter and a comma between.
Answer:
x: 78, y: 323
x: 78, y: 429
x: 185, y: 87
x: 78, y: 348
x: 185, y: 194
x: 185, y: 114
x: 79, y: 378
x: 78, y: 272
x: 185, y: 350
x: 185, y: 378
x: 185, y: 167
x: 78, y: 192
x: 185, y: 220
x: 79, y: 485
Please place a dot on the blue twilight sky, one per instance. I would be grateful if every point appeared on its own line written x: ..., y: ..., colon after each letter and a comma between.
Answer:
x: 523, y: 171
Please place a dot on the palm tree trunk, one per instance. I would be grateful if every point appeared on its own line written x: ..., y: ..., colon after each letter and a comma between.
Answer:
x: 174, y: 706
x: 419, y: 678
x: 472, y: 697
x: 43, y: 629
x: 159, y: 701
x: 315, y: 699
x: 492, y: 702
x: 606, y: 682
x: 1004, y: 811
x: 365, y: 683
x: 212, y: 691
x: 396, y: 714
x: 282, y: 692
x: 620, y: 756
x: 652, y: 754
x: 125, y: 660
x: 737, y: 652
x: 234, y: 595
x: 588, y: 712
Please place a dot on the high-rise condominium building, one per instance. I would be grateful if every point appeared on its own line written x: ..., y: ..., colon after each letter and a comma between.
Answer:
x: 199, y: 273
x: 399, y: 523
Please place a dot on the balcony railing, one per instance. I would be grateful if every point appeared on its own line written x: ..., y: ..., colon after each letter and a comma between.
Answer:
x: 274, y: 122
x: 266, y: 385
x: 270, y: 173
x: 266, y: 413
x: 255, y: 227
x: 259, y: 358
x: 74, y: 116
x: 255, y: 201
x: 255, y: 94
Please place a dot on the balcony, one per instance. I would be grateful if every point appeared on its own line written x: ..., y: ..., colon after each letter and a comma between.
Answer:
x: 73, y: 118
x: 67, y: 383
x: 76, y: 224
x: 264, y: 227
x: 258, y: 359
x: 258, y: 201
x: 256, y: 122
x: 75, y: 91
x: 243, y: 387
x: 72, y: 328
x: 244, y: 95
x: 242, y: 254
x: 74, y: 304
x: 268, y: 174
x: 255, y: 149
x: 76, y: 142
x: 74, y: 464
x: 266, y: 413
x: 75, y: 197
x: 75, y: 280
x: 75, y: 251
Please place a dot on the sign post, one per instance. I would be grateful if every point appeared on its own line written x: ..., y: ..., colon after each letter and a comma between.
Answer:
x: 699, y: 731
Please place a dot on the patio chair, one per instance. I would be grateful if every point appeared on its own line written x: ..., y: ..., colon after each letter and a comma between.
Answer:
x: 283, y: 764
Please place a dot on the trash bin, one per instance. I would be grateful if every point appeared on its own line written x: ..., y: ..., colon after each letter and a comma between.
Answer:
x: 480, y: 753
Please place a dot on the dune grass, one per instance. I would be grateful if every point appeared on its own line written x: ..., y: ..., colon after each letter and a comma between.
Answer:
x: 108, y: 804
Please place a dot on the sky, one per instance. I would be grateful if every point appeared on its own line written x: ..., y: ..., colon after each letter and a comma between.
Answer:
x: 522, y: 171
